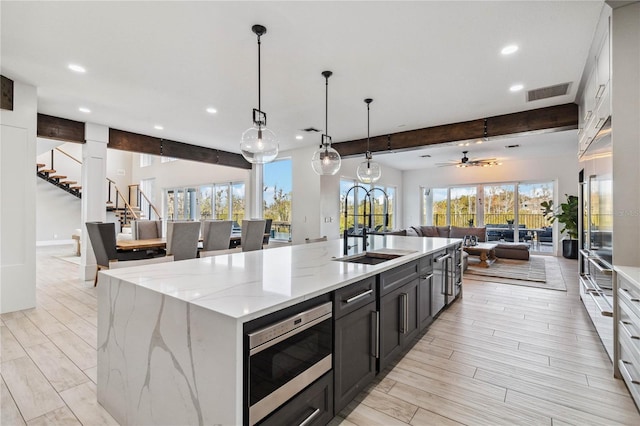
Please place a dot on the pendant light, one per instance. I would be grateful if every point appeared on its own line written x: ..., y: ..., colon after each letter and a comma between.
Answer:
x: 326, y: 160
x: 368, y: 171
x: 259, y: 145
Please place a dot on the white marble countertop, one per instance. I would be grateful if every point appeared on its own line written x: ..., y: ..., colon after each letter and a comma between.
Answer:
x: 249, y: 285
x: 631, y: 273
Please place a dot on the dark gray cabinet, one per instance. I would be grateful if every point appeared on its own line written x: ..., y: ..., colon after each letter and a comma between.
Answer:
x: 425, y: 316
x: 398, y: 309
x: 314, y: 405
x: 356, y: 339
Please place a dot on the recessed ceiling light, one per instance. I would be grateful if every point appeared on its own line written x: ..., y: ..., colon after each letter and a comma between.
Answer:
x: 84, y: 109
x: 425, y: 156
x: 77, y: 68
x: 516, y: 87
x: 508, y: 50
x: 479, y: 141
x: 158, y: 127
x: 299, y: 137
x: 211, y: 110
x: 461, y: 144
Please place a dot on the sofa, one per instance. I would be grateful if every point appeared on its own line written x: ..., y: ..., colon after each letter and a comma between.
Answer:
x: 505, y: 250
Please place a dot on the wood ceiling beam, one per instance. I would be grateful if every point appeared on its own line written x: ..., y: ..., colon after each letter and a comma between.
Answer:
x: 61, y: 129
x: 541, y: 120
x: 7, y: 93
x: 128, y: 141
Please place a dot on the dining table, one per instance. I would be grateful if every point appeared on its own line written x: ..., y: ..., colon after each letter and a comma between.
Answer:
x: 160, y: 243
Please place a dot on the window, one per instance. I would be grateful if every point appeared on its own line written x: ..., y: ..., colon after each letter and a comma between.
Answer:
x: 510, y: 211
x: 379, y: 206
x: 206, y: 202
x: 277, y: 197
x: 147, y: 196
x: 146, y: 160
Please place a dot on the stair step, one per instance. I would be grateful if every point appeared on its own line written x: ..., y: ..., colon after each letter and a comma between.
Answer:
x: 40, y: 165
x: 57, y: 177
x: 76, y: 187
x: 48, y: 171
x: 68, y: 182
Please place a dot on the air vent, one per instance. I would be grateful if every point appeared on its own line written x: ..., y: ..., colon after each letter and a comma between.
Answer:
x: 548, y: 92
x: 426, y: 156
x: 512, y: 146
x: 311, y: 129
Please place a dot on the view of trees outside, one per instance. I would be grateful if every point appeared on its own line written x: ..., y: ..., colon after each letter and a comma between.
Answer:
x: 206, y: 202
x: 277, y: 197
x: 439, y: 215
x: 355, y: 206
x: 499, y: 204
x: 530, y: 195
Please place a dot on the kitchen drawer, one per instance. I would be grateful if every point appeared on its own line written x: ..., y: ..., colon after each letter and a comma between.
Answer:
x: 397, y: 277
x: 629, y: 329
x: 426, y: 265
x: 629, y: 369
x: 629, y: 294
x: 314, y: 405
x: 354, y: 296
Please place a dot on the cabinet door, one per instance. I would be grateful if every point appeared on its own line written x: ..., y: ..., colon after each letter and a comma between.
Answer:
x: 390, y: 322
x: 398, y: 321
x: 355, y: 346
x: 424, y: 301
x: 314, y: 405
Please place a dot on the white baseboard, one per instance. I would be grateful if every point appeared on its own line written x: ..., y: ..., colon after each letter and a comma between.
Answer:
x: 54, y: 243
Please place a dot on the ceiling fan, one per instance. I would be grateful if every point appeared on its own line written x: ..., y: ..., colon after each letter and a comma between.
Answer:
x: 467, y: 162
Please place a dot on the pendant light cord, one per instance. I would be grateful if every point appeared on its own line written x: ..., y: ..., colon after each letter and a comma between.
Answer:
x: 326, y: 107
x: 259, y: 105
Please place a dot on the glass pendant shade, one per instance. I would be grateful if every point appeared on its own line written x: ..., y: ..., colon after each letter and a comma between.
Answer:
x: 326, y: 161
x: 369, y: 171
x: 259, y: 145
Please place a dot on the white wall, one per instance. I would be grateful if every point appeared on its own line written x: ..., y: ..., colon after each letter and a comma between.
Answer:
x: 562, y: 169
x: 18, y: 207
x: 58, y: 212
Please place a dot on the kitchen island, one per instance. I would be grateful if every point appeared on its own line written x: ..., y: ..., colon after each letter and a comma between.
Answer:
x: 170, y: 335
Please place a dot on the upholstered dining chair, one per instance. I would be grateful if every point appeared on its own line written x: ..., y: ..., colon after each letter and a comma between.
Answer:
x: 182, y: 239
x: 252, y: 234
x: 267, y: 231
x: 146, y: 229
x: 215, y: 234
x: 315, y: 240
x: 103, y: 241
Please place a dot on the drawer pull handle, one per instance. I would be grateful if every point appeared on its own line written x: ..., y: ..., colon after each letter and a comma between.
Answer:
x: 625, y: 372
x: 602, y: 311
x: 311, y: 418
x: 588, y: 115
x: 600, y: 91
x: 427, y: 277
x: 623, y: 326
x: 598, y: 264
x: 628, y: 297
x: 359, y: 296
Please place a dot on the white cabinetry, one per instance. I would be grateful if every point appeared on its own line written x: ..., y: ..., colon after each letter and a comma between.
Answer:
x: 594, y: 106
x: 627, y: 313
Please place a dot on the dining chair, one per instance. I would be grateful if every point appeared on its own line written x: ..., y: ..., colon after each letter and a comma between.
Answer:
x: 102, y: 236
x: 267, y: 232
x: 182, y: 239
x: 146, y: 229
x: 315, y: 240
x: 252, y: 234
x: 215, y: 234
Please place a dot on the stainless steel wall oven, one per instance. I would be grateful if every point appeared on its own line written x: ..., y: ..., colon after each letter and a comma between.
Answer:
x: 286, y: 356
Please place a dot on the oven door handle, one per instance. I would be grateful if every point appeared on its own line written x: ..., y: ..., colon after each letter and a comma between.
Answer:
x: 311, y: 418
x: 604, y: 313
x: 597, y: 262
x: 287, y: 335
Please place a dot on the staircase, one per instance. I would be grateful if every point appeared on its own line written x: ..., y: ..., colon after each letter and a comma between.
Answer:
x: 125, y: 209
x: 58, y: 180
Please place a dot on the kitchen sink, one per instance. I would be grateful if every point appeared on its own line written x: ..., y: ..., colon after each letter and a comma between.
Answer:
x: 374, y: 257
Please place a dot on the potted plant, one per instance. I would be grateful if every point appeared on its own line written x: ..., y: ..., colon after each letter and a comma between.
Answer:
x: 567, y: 215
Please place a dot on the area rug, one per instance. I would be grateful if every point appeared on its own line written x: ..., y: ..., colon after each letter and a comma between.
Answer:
x: 531, y: 273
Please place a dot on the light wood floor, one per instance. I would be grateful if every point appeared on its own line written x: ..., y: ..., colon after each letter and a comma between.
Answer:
x: 502, y: 355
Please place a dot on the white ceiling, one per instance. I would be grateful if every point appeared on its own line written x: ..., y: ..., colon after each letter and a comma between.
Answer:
x: 423, y: 63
